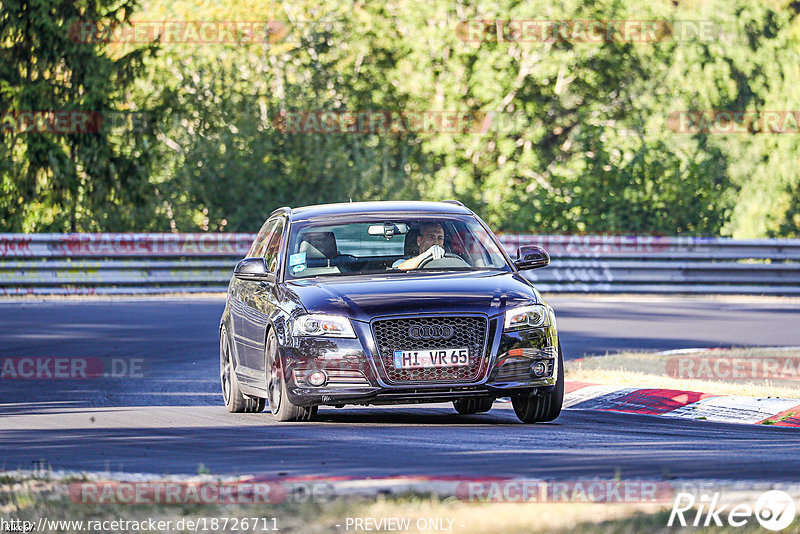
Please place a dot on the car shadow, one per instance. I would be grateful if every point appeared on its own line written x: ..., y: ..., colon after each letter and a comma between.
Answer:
x: 416, y: 415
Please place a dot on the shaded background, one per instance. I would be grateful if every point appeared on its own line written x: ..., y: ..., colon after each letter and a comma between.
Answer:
x: 593, y: 151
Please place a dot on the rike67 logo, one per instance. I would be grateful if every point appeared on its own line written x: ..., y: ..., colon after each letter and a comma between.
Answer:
x: 774, y: 510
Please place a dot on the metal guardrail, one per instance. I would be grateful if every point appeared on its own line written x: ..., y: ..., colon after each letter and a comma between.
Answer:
x: 167, y: 263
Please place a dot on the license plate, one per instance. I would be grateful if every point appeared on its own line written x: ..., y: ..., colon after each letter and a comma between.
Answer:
x: 422, y: 359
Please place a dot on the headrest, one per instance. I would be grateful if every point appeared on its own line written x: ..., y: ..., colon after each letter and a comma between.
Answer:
x: 312, y: 252
x: 323, y: 243
x: 410, y: 247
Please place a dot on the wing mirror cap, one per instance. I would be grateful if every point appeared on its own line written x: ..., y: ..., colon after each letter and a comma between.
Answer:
x: 532, y: 257
x: 251, y: 269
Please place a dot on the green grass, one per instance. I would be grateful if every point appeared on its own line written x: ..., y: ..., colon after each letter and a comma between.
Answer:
x: 649, y: 370
x: 779, y: 419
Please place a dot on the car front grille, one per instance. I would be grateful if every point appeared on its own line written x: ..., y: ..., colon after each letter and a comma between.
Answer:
x: 470, y: 332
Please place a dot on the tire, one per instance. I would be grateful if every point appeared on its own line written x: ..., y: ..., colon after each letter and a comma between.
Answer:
x: 235, y: 400
x: 542, y: 408
x: 470, y: 406
x: 279, y: 403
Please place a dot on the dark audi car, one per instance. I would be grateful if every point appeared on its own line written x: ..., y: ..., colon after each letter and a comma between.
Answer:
x: 387, y: 303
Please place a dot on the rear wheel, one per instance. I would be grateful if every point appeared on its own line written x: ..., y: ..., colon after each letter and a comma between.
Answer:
x: 542, y: 408
x: 470, y: 406
x: 279, y: 403
x: 235, y: 400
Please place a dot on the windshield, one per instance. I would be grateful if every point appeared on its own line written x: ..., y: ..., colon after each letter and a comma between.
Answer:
x: 386, y: 244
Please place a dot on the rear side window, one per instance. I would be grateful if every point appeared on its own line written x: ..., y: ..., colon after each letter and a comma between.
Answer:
x: 273, y: 245
x: 260, y: 243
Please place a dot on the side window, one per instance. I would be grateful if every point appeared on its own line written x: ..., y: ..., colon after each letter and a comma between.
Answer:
x: 274, y: 245
x: 260, y: 243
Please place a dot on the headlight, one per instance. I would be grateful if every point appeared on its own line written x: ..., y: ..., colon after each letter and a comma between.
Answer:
x: 527, y: 317
x: 323, y: 326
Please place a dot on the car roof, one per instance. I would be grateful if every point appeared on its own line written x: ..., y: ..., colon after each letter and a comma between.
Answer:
x: 371, y: 208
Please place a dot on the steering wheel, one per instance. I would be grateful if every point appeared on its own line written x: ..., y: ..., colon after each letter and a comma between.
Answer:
x: 442, y: 263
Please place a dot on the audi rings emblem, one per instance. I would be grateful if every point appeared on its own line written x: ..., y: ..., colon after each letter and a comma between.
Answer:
x: 431, y: 332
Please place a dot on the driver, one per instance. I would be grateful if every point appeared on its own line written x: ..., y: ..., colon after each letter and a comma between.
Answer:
x: 431, y: 240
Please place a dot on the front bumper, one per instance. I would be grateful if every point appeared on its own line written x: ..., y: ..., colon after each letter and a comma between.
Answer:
x: 354, y: 374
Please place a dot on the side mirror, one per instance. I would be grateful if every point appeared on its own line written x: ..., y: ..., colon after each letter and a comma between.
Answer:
x: 532, y: 257
x: 251, y: 269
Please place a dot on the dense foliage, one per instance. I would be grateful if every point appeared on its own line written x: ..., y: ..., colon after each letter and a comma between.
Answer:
x: 581, y: 138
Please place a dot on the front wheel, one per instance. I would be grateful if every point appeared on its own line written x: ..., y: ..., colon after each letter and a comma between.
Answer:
x: 542, y: 408
x: 279, y: 403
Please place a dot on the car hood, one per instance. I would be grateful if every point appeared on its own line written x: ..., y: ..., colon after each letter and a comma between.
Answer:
x: 364, y: 297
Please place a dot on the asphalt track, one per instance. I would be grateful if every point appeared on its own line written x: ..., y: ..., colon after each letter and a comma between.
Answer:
x: 172, y: 420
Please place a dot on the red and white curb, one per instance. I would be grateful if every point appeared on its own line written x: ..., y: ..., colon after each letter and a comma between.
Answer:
x: 686, y: 404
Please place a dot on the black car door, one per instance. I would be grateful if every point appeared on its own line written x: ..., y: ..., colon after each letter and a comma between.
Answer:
x: 238, y: 295
x: 260, y: 300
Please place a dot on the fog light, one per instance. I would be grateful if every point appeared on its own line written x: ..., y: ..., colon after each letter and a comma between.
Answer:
x: 539, y: 369
x: 317, y: 378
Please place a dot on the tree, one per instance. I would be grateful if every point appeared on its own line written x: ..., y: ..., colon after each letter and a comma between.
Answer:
x: 72, y: 178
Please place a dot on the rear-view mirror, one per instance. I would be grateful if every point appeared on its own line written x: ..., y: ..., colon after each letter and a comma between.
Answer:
x: 388, y: 229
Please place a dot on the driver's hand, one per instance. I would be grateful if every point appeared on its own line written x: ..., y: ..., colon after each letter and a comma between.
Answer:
x: 435, y: 252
